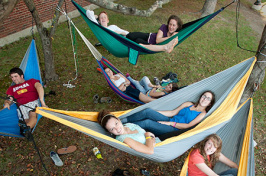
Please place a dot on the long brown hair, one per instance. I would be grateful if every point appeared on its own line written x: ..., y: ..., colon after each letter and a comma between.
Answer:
x: 217, y: 141
x: 103, y: 118
x: 211, y: 103
x: 178, y: 20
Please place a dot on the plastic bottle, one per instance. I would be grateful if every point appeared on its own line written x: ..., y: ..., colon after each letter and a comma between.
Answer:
x: 97, y: 153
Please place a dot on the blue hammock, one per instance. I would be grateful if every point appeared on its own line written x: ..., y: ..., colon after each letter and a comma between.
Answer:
x: 120, y: 46
x: 9, y: 118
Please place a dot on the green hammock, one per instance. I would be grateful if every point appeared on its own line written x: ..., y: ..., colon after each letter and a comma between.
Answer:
x: 120, y: 46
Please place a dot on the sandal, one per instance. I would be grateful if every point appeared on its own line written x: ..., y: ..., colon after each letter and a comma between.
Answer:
x: 95, y: 98
x: 105, y: 100
x: 56, y: 159
x: 120, y: 172
x: 69, y: 149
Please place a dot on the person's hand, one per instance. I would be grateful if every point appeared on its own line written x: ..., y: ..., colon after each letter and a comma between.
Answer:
x: 43, y: 104
x: 149, y: 134
x: 164, y: 122
x: 7, y: 105
x: 174, y: 33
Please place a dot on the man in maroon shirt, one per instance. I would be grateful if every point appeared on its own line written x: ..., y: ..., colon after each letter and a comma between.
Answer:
x: 27, y: 95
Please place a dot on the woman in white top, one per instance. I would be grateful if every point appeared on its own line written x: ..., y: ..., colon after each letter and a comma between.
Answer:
x: 124, y: 85
x: 104, y: 20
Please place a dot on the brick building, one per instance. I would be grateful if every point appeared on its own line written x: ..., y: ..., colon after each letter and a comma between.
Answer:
x: 19, y: 23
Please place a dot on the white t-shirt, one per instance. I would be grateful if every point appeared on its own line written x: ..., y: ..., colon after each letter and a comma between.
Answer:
x: 115, y: 28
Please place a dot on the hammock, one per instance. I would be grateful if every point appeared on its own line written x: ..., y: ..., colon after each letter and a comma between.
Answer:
x: 227, y: 85
x: 9, y: 118
x: 238, y: 147
x: 127, y: 48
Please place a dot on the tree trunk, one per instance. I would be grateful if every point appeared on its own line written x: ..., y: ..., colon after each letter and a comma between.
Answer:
x: 208, y: 7
x: 258, y: 72
x: 108, y: 4
x: 6, y: 7
x: 46, y: 38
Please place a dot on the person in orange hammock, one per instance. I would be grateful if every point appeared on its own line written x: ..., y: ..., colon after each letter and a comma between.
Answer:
x: 204, y: 156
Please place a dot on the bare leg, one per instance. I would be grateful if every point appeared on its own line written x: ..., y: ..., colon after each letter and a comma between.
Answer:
x: 167, y: 47
x: 145, y: 98
x: 31, y: 122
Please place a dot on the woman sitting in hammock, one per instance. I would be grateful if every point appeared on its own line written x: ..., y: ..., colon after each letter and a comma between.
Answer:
x: 185, y: 116
x: 205, y: 155
x: 147, y: 88
x: 131, y: 134
x: 151, y: 39
x: 124, y: 85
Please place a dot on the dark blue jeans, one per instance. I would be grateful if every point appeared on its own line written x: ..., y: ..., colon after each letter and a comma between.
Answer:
x: 229, y: 172
x: 147, y: 119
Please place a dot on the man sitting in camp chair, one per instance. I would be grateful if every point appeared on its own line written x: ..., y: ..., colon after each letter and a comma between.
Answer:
x: 26, y: 94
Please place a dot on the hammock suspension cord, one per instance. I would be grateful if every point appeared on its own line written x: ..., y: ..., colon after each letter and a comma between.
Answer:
x: 237, y: 19
x: 74, y: 47
x: 94, y: 51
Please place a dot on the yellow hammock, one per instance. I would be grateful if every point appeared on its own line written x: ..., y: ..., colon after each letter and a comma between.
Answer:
x: 228, y: 86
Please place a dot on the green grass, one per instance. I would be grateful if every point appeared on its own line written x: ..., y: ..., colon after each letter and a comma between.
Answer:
x: 210, y: 50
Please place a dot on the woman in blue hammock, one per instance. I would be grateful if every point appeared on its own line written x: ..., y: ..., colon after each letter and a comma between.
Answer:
x: 147, y: 40
x: 185, y: 116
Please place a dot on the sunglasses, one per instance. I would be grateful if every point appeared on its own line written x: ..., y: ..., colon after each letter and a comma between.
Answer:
x: 207, y: 98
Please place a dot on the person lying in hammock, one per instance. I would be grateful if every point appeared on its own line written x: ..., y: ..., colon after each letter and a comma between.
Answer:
x: 124, y: 85
x: 151, y: 39
x: 185, y: 116
x: 146, y: 87
x: 205, y: 155
x: 131, y: 134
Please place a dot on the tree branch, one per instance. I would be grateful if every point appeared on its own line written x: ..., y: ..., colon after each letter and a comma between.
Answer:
x: 6, y: 7
x: 129, y: 10
x: 56, y: 18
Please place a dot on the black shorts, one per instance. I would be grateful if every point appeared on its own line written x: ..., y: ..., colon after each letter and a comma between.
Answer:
x: 134, y: 93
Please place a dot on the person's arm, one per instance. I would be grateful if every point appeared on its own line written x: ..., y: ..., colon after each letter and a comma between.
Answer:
x: 40, y: 91
x: 91, y: 16
x: 155, y: 94
x: 147, y: 148
x: 227, y: 161
x: 204, y: 168
x: 160, y: 38
x: 7, y: 103
x: 175, y: 111
x: 185, y: 125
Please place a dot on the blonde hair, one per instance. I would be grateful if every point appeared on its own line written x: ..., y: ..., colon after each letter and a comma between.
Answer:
x: 217, y: 141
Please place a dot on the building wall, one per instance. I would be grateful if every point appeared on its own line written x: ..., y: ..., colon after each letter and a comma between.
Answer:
x: 19, y: 22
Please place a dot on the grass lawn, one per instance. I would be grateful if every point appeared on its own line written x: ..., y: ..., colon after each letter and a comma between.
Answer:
x: 210, y: 50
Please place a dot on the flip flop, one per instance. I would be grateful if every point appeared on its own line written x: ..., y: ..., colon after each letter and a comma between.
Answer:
x: 56, y: 159
x: 95, y: 98
x: 67, y: 150
x: 105, y: 100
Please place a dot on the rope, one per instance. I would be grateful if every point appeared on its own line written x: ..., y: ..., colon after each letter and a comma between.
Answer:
x: 237, y: 19
x: 93, y: 50
x: 74, y: 46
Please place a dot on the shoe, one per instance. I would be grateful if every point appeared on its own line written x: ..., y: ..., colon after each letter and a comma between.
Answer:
x: 67, y: 150
x: 127, y: 75
x: 156, y: 81
x: 95, y: 98
x: 98, y: 44
x: 105, y: 100
x: 56, y: 159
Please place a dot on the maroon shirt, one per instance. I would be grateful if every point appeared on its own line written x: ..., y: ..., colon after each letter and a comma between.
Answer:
x: 24, y: 92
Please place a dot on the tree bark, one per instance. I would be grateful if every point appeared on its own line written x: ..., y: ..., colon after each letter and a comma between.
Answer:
x: 6, y: 7
x: 107, y: 4
x: 46, y: 38
x: 258, y: 72
x: 208, y: 7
